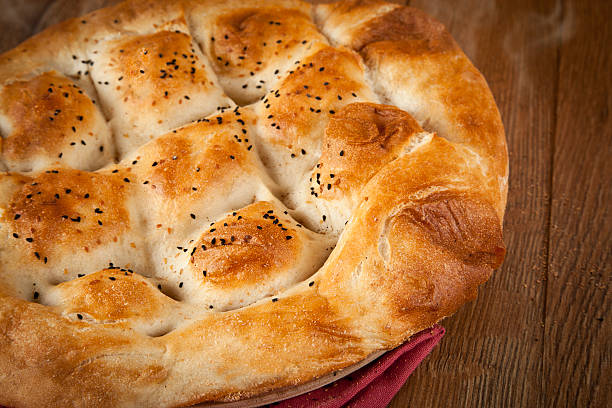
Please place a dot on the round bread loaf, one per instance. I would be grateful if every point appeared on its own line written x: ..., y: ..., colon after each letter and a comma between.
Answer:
x: 207, y: 200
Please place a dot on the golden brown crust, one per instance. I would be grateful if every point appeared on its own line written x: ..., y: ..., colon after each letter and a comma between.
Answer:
x: 246, y: 249
x: 51, y: 120
x: 358, y: 141
x: 213, y: 262
x: 63, y: 209
x: 408, y: 51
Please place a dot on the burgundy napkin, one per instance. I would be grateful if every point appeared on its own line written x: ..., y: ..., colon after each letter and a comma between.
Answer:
x: 375, y: 384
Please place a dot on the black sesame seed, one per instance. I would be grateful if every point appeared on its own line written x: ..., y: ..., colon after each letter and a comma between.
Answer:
x: 311, y: 283
x: 192, y: 216
x: 111, y: 278
x: 288, y: 237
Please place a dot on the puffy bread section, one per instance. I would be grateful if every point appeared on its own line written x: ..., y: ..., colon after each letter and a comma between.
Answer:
x: 359, y: 140
x: 339, y: 20
x: 117, y: 297
x: 420, y: 247
x: 417, y: 66
x: 65, y: 47
x: 249, y: 254
x: 108, y: 365
x: 152, y: 83
x: 291, y: 340
x: 292, y: 117
x: 59, y: 223
x: 192, y: 175
x: 49, y: 120
x: 252, y: 47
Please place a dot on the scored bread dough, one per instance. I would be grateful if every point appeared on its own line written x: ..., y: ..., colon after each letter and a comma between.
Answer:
x: 207, y: 200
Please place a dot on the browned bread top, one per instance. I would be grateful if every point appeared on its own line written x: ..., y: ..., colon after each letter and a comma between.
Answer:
x: 205, y: 200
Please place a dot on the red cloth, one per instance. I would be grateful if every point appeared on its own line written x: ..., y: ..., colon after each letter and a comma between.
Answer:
x: 376, y: 384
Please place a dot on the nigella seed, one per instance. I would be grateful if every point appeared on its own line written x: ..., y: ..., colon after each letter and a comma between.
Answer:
x: 36, y: 295
x: 288, y: 237
x: 181, y: 285
x: 112, y: 278
x: 17, y: 216
x: 192, y: 216
x: 79, y: 316
x: 311, y: 283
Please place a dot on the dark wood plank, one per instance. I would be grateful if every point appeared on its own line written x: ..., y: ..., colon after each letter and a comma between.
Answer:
x: 578, y: 325
x: 492, y: 353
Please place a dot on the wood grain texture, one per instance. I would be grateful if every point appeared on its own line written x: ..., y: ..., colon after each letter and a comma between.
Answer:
x: 539, y: 332
x: 578, y: 349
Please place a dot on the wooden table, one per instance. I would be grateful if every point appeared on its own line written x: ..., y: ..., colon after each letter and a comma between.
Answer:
x: 539, y: 332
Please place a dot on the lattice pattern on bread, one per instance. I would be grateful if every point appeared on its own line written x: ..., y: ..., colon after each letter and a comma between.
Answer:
x: 208, y: 200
